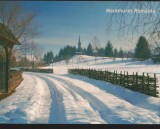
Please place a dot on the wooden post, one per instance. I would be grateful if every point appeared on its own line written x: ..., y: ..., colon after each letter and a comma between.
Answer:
x: 148, y: 84
x: 143, y: 83
x: 7, y: 70
x: 92, y: 73
x: 121, y: 78
x: 95, y: 74
x: 136, y: 81
x: 133, y: 81
x: 107, y: 75
x: 155, y: 86
x: 124, y: 79
x: 78, y: 71
x: 89, y: 75
x: 116, y: 77
x: 127, y: 80
x: 101, y: 75
x: 113, y: 77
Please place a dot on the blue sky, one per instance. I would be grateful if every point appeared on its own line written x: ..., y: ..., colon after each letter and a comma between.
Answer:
x: 61, y: 23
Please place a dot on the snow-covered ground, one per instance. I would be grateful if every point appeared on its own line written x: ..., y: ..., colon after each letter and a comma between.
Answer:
x: 71, y: 99
x: 105, y: 63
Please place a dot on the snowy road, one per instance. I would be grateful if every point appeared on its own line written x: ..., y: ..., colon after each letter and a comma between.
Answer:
x: 49, y: 98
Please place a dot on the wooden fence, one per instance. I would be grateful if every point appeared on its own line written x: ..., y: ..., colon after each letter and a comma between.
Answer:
x: 15, y: 80
x: 39, y: 70
x: 142, y: 83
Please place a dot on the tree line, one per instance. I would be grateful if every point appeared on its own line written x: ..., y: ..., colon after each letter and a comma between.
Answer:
x: 141, y: 52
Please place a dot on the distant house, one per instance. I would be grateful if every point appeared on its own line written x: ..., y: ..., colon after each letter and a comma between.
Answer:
x: 156, y: 55
x: 156, y: 58
x: 79, y: 49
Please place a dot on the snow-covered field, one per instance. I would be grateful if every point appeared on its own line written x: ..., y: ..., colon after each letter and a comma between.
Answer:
x: 64, y: 98
x: 105, y: 63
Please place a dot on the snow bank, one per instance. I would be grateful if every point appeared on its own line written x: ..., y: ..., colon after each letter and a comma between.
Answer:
x: 29, y: 104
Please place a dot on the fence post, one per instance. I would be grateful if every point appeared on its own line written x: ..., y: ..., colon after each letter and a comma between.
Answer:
x: 116, y: 77
x: 133, y: 83
x: 113, y: 77
x: 102, y: 76
x: 127, y: 80
x: 89, y: 72
x: 143, y: 83
x: 121, y: 78
x: 124, y: 79
x: 107, y: 75
x: 110, y: 77
x: 95, y: 74
x: 78, y: 71
x: 136, y: 81
x: 155, y: 86
x: 147, y: 83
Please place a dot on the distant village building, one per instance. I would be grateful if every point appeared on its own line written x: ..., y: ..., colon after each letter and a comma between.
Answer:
x: 79, y: 49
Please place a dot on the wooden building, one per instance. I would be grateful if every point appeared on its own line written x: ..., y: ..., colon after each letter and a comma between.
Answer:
x: 7, y: 41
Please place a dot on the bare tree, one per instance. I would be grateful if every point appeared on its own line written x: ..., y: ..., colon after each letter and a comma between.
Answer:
x: 96, y: 43
x: 36, y: 52
x: 144, y: 20
x: 19, y: 22
x: 96, y: 46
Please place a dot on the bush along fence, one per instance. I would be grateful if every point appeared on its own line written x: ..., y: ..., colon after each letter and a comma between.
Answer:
x: 141, y: 83
x: 38, y: 70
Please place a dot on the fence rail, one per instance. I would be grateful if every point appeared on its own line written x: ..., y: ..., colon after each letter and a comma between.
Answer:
x: 39, y: 70
x: 141, y: 83
x: 15, y: 79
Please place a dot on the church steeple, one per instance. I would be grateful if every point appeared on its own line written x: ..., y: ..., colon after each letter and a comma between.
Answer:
x: 79, y: 43
x: 79, y: 39
x: 79, y: 49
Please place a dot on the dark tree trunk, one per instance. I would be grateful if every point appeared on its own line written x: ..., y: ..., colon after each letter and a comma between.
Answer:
x: 7, y: 69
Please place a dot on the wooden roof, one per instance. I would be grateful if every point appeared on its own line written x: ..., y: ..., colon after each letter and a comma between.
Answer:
x: 7, y: 37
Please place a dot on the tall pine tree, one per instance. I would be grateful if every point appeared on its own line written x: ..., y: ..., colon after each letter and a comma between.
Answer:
x: 121, y: 53
x: 48, y: 58
x: 115, y: 53
x: 109, y: 49
x: 142, y: 50
x: 89, y: 50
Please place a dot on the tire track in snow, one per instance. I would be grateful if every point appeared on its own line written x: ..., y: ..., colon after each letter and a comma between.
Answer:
x: 22, y: 106
x: 134, y: 98
x: 105, y: 113
x: 39, y: 103
x: 121, y: 115
x: 56, y: 111
x: 77, y: 115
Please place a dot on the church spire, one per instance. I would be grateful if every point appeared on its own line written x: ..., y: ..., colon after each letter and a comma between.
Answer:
x: 79, y: 39
x: 79, y: 49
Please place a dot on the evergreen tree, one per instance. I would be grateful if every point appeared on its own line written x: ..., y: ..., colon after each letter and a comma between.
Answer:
x: 142, y: 50
x: 115, y: 53
x: 109, y: 49
x: 84, y: 51
x: 101, y: 52
x: 66, y: 52
x: 45, y: 58
x: 89, y: 50
x: 48, y: 58
x: 121, y: 53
